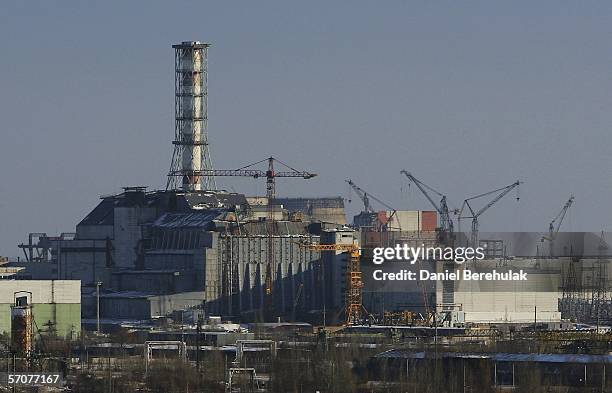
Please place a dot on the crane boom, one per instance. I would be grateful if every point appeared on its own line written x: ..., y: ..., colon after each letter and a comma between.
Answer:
x: 560, y: 216
x: 446, y: 223
x: 362, y: 191
x: 552, y: 230
x: 270, y: 175
x: 474, y: 215
x: 254, y: 173
x: 366, y: 202
x: 362, y: 195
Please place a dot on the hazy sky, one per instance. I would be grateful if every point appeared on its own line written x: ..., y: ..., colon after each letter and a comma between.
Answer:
x: 469, y: 96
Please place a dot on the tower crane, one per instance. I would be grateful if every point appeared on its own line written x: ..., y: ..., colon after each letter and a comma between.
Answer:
x: 365, y: 198
x: 446, y: 223
x: 270, y: 175
x: 552, y: 229
x: 353, y: 307
x: 362, y: 195
x: 474, y: 215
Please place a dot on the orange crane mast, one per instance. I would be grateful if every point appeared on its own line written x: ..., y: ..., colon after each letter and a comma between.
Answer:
x: 354, y: 310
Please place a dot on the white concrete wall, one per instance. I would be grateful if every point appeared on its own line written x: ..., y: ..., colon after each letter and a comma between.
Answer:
x: 513, y: 301
x: 43, y: 291
x: 406, y: 220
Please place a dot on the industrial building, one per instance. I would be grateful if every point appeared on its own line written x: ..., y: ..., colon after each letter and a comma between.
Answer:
x: 317, y: 209
x: 194, y: 246
x: 149, y: 253
x: 190, y: 249
x: 55, y: 305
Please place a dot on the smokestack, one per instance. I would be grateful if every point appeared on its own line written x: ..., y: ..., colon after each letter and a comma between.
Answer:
x: 191, y: 162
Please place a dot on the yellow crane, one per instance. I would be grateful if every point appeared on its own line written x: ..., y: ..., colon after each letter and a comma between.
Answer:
x: 354, y: 310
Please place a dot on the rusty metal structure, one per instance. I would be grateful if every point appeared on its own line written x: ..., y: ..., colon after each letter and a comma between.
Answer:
x: 22, y: 323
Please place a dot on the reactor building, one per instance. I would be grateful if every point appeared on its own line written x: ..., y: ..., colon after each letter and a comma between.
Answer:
x: 145, y: 254
x: 191, y: 245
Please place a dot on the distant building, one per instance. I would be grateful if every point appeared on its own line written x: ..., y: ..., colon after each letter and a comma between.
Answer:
x: 158, y: 252
x: 330, y: 210
x: 397, y: 221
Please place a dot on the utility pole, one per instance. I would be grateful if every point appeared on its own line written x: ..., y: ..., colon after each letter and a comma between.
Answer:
x: 199, y: 332
x: 98, y: 284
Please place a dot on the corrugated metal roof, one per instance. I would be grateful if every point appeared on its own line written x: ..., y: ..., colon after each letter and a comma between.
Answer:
x: 552, y: 358
x: 281, y: 228
x: 278, y: 324
x: 502, y: 357
x: 165, y: 201
x: 201, y: 219
x: 305, y: 204
x: 214, y: 200
x: 145, y: 272
x: 127, y: 295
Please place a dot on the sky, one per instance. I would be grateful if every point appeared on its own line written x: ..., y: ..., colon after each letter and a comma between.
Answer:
x: 468, y: 96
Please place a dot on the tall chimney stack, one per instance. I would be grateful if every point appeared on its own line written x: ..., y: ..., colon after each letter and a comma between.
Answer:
x: 191, y: 153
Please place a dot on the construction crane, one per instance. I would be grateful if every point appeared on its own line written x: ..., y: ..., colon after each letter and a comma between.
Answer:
x: 446, y: 223
x: 552, y: 229
x: 474, y: 215
x: 354, y: 310
x: 270, y: 175
x: 363, y: 195
x: 365, y: 198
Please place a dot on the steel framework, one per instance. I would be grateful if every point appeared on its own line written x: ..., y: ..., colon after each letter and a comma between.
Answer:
x: 151, y: 346
x: 191, y: 152
x: 354, y: 310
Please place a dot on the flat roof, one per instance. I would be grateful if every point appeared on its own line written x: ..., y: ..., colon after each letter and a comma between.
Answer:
x: 501, y: 357
x: 140, y: 272
x: 191, y: 44
x: 127, y: 295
